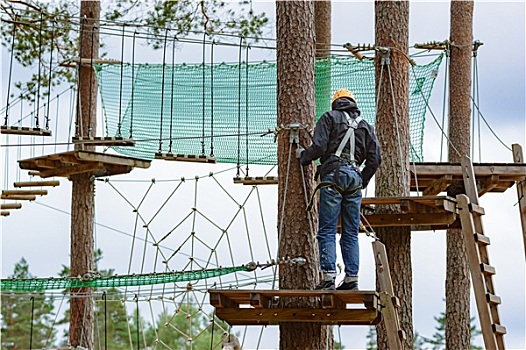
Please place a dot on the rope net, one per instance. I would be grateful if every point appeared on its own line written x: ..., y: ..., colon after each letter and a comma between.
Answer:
x: 223, y: 109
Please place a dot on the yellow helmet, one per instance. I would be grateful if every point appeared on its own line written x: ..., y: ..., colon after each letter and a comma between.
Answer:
x: 343, y: 93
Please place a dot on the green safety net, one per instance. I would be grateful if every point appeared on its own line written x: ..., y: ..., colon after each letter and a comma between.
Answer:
x: 224, y: 109
x: 39, y: 284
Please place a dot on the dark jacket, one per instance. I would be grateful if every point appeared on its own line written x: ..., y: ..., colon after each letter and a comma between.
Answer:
x: 329, y: 132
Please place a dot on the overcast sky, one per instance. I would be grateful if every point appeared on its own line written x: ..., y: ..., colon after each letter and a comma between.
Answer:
x: 40, y: 231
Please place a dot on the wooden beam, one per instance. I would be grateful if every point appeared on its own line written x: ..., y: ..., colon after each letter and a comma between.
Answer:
x: 489, y: 184
x: 264, y: 316
x: 521, y: 191
x: 72, y: 169
x: 381, y: 220
x: 440, y: 185
x: 52, y: 183
x: 112, y: 159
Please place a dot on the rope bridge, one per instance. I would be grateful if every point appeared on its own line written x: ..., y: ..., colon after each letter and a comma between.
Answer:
x: 223, y: 109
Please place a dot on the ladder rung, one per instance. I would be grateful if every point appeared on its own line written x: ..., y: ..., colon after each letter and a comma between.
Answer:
x: 498, y: 329
x: 4, y: 213
x: 487, y: 269
x: 477, y: 209
x: 482, y: 239
x: 493, y: 299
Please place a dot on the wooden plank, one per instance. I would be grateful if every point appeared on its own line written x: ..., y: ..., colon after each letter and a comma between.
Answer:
x: 24, y: 130
x: 521, y: 191
x: 52, y: 183
x: 440, y: 185
x: 489, y: 184
x: 243, y: 297
x: 468, y: 175
x: 19, y: 197
x: 4, y: 213
x: 24, y: 192
x: 112, y: 159
x: 9, y: 206
x: 72, y: 170
x: 382, y: 220
x: 103, y: 141
x: 264, y: 316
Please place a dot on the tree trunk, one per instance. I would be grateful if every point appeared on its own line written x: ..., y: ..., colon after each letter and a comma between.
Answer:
x: 392, y: 126
x: 82, y: 198
x: 457, y: 277
x: 322, y: 31
x: 295, y: 102
x: 322, y: 18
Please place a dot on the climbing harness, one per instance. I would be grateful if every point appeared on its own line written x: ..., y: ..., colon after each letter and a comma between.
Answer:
x: 350, y: 160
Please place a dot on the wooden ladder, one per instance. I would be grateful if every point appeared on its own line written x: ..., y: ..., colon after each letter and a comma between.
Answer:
x: 388, y: 301
x: 477, y: 251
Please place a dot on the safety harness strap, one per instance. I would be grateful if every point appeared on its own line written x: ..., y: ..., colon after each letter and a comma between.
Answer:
x: 349, y: 136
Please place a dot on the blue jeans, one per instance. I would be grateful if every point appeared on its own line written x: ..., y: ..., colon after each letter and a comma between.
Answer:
x: 332, y: 203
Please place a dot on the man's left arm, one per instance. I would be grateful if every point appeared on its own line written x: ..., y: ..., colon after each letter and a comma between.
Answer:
x: 373, y: 158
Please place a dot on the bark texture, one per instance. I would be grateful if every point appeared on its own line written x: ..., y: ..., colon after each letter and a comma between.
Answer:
x: 458, y: 333
x: 82, y: 198
x: 295, y: 99
x: 322, y: 18
x: 392, y: 127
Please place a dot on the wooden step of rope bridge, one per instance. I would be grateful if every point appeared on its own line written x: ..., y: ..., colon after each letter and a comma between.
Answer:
x: 77, y: 162
x: 24, y: 130
x: 261, y: 307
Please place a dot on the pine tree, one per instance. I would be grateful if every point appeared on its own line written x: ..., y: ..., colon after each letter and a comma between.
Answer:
x: 174, y: 331
x: 27, y: 319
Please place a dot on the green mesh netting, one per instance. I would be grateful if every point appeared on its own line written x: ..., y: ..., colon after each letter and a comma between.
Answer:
x: 34, y: 284
x: 223, y: 109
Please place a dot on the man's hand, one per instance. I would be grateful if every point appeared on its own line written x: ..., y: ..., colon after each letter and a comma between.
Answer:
x: 299, y: 150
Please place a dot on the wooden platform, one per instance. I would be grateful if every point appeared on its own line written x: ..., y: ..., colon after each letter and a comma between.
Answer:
x: 78, y: 162
x: 420, y: 213
x: 24, y: 130
x: 199, y: 158
x: 103, y: 141
x: 261, y: 307
x: 434, y: 178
